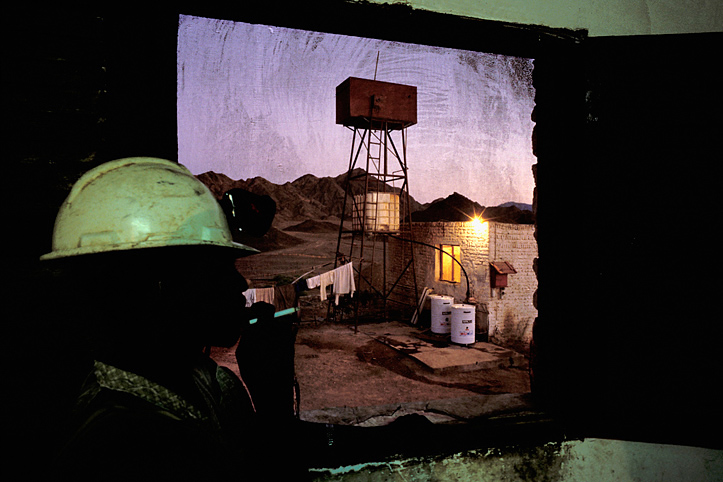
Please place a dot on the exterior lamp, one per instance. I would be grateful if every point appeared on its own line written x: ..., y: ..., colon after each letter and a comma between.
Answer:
x: 479, y: 224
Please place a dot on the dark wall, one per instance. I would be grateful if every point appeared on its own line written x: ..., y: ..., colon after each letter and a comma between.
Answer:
x: 626, y: 144
x: 627, y: 228
x: 83, y: 88
x: 80, y: 88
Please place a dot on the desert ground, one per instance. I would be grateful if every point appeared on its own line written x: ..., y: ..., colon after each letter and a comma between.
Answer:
x: 343, y: 363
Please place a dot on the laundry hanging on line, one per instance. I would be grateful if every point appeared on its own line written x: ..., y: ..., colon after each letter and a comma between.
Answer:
x: 282, y: 297
x: 341, y: 279
x: 257, y: 295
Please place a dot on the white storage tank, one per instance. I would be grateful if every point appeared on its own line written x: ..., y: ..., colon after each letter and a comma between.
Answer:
x: 441, y: 307
x: 382, y: 212
x: 463, y: 323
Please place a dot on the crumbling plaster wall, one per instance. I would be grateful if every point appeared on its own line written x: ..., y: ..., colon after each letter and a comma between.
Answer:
x: 599, y: 17
x: 591, y: 460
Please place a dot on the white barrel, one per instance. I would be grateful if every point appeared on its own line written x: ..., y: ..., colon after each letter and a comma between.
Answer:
x: 441, y: 313
x: 462, y: 326
x: 381, y: 211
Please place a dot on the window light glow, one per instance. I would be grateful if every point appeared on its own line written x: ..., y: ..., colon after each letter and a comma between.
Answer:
x: 449, y: 268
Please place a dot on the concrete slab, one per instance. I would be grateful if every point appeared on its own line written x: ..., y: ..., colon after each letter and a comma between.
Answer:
x: 436, y: 353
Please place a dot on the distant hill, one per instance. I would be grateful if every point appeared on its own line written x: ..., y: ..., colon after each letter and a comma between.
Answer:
x: 311, y: 226
x: 520, y: 206
x: 310, y: 198
x: 274, y: 239
x: 306, y: 198
x: 457, y: 207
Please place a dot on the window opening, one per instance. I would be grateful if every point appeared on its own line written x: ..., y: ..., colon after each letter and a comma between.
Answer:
x: 263, y: 132
x: 449, y: 263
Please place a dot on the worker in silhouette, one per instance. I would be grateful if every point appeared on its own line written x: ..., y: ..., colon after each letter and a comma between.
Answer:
x: 145, y: 268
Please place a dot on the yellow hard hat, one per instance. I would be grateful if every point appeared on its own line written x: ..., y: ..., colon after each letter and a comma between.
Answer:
x: 137, y: 203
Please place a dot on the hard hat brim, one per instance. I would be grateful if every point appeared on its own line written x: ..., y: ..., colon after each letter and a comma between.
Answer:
x: 140, y: 203
x: 233, y: 249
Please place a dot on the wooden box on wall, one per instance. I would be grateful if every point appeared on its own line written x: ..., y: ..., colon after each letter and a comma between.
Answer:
x: 498, y: 273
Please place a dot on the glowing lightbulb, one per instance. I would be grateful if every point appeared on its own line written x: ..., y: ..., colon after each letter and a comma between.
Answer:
x: 479, y: 226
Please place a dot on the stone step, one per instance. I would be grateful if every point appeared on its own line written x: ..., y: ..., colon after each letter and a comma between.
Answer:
x: 438, y: 354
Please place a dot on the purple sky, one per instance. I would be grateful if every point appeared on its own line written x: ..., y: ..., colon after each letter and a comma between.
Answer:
x: 256, y: 100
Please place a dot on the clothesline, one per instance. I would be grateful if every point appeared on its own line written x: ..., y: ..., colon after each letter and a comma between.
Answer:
x: 341, y: 280
x: 311, y: 271
x: 314, y: 268
x: 281, y: 297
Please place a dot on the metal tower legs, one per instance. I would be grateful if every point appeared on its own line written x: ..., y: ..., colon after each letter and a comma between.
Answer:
x: 384, y: 168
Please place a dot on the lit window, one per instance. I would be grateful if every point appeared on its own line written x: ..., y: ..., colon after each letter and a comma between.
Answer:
x: 449, y: 269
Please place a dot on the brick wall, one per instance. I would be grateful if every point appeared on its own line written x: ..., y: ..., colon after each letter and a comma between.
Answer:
x: 511, y: 311
x: 511, y: 315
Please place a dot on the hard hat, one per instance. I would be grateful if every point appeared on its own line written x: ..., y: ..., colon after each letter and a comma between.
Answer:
x: 137, y: 203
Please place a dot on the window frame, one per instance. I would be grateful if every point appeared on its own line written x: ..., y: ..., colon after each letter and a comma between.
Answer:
x: 445, y: 262
x: 551, y: 48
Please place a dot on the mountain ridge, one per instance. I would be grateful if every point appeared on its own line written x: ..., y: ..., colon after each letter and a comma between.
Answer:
x: 321, y: 198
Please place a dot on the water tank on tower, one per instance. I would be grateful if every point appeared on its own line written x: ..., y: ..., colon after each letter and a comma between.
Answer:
x: 377, y: 191
x: 379, y: 212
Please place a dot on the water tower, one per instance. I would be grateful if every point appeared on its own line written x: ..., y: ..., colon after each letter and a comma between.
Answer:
x: 377, y: 188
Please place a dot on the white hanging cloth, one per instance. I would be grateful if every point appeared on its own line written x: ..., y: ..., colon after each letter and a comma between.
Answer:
x: 341, y: 278
x: 255, y: 295
x: 344, y: 281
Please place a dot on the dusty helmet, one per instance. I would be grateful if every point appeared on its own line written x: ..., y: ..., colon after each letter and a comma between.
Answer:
x: 137, y: 203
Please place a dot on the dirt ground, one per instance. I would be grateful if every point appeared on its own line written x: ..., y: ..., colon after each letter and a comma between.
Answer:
x: 340, y: 365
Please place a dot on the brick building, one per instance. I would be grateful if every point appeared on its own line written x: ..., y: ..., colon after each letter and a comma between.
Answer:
x: 504, y: 301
